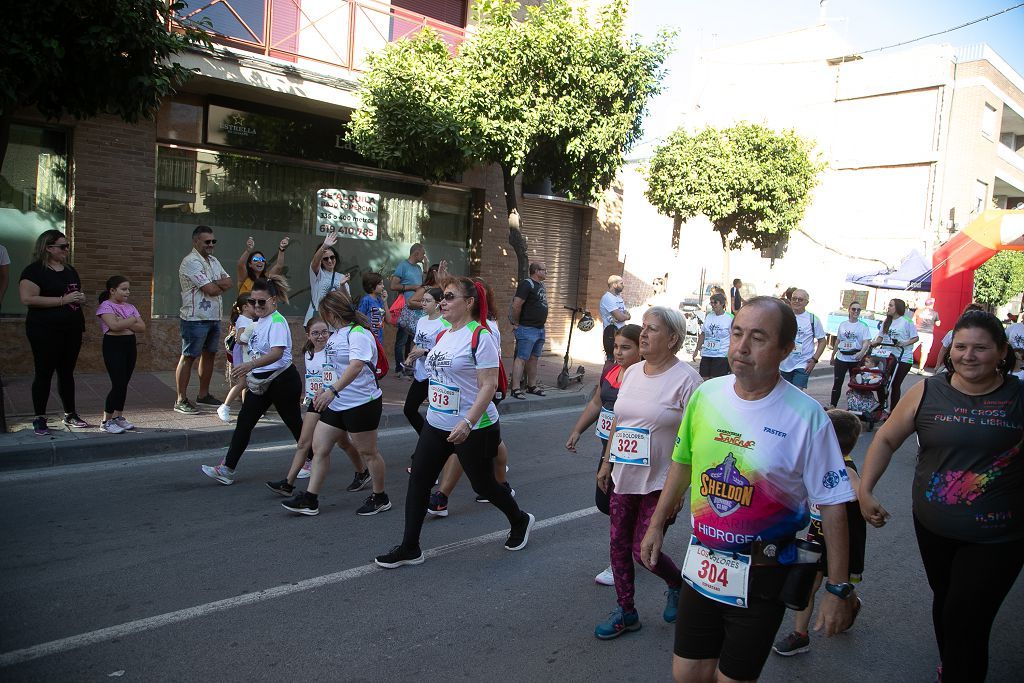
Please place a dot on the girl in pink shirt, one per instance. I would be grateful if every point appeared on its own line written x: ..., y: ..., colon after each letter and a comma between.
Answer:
x: 119, y: 321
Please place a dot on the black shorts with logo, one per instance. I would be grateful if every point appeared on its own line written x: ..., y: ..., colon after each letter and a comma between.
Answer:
x: 364, y: 418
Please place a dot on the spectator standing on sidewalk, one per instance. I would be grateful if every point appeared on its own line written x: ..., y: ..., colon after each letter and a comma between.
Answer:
x: 119, y: 322
x: 324, y: 276
x: 407, y: 279
x: 252, y: 264
x: 926, y: 319
x: 613, y: 313
x: 810, y: 342
x: 203, y: 280
x: 528, y: 316
x: 52, y: 291
x: 735, y: 298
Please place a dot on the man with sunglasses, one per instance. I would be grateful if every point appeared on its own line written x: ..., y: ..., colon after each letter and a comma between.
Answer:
x: 853, y: 341
x: 203, y: 280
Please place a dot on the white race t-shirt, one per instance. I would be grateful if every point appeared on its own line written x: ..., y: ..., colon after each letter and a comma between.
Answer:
x: 900, y: 332
x: 452, y: 375
x: 717, y: 330
x: 267, y: 333
x: 425, y: 338
x: 353, y: 344
x: 808, y: 331
x: 321, y: 284
x: 1015, y: 333
x: 611, y: 302
x: 850, y: 339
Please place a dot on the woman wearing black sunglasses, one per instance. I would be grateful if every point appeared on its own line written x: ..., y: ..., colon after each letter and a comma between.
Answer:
x: 323, y: 275
x: 272, y: 379
x: 52, y: 291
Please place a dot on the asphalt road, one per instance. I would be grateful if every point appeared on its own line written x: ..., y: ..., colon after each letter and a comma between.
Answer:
x: 147, y: 570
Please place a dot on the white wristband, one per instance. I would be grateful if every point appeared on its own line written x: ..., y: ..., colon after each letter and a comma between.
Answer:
x: 466, y: 420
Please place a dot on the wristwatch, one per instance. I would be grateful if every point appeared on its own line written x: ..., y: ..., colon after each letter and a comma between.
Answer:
x: 840, y: 590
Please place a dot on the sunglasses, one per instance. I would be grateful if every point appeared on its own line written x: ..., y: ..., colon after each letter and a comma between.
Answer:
x: 209, y: 242
x: 854, y: 310
x: 449, y: 296
x: 258, y: 259
x: 329, y: 258
x: 64, y: 246
x: 257, y: 302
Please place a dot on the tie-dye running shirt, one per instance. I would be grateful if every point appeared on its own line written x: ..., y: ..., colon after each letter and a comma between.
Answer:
x: 756, y: 464
x: 969, y: 481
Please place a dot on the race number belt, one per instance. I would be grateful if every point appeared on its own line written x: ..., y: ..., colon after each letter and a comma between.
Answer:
x: 719, y: 576
x: 314, y: 384
x: 604, y: 424
x: 631, y: 446
x: 848, y: 346
x: 329, y: 374
x: 443, y: 398
x: 712, y: 344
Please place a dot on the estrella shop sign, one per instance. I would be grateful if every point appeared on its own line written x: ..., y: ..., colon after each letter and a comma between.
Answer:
x: 347, y: 213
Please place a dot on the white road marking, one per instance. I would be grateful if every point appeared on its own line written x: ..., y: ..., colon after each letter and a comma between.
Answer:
x: 62, y: 645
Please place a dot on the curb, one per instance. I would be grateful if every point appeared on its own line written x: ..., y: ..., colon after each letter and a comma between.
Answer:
x: 163, y: 441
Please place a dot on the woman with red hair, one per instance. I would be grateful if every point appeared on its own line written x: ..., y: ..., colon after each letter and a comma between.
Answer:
x: 461, y: 419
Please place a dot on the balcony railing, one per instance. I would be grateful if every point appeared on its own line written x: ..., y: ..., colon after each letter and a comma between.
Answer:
x: 324, y: 35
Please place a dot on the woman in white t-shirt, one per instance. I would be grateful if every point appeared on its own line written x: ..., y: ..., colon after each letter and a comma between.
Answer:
x: 271, y: 347
x: 323, y: 276
x: 853, y: 339
x: 461, y: 419
x: 897, y: 331
x: 713, y: 340
x: 648, y: 411
x: 349, y: 406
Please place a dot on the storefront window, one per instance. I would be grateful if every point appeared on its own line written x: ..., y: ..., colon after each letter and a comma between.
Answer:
x: 242, y: 195
x: 33, y: 198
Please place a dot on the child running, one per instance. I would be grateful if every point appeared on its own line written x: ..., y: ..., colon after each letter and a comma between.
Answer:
x: 242, y: 317
x: 318, y: 373
x: 847, y: 427
x: 349, y: 407
x: 119, y: 321
x: 427, y: 329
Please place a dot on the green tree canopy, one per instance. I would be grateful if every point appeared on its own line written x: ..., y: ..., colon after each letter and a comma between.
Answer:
x: 88, y: 57
x: 1000, y: 278
x: 557, y: 95
x: 752, y: 183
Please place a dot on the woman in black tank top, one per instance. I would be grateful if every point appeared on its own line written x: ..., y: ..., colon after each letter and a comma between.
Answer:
x: 968, y: 492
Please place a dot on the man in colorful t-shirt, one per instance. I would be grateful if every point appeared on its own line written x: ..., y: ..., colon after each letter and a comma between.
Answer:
x: 758, y: 450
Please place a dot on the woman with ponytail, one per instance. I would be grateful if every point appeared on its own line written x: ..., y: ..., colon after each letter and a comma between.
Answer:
x: 270, y: 375
x: 461, y: 419
x: 897, y: 331
x: 350, y: 406
x: 119, y: 322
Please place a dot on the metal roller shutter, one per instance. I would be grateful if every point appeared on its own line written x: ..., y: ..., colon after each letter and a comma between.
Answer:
x: 554, y: 232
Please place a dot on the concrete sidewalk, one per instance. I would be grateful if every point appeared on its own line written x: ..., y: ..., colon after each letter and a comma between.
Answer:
x: 161, y: 430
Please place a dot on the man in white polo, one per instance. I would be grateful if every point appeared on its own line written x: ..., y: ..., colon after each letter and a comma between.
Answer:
x: 613, y: 313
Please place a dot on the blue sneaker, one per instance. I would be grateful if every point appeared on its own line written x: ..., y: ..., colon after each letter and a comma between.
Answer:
x: 671, y: 605
x: 618, y: 622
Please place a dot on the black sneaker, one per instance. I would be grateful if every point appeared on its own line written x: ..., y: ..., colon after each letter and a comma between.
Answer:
x: 39, y: 427
x: 377, y: 502
x: 506, y: 485
x: 72, y: 420
x: 438, y: 505
x: 359, y: 481
x: 209, y: 400
x: 302, y: 503
x: 397, y: 556
x: 185, y: 408
x: 519, y: 536
x: 793, y: 644
x: 282, y: 488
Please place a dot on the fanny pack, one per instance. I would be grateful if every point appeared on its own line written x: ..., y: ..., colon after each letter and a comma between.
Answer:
x: 257, y: 384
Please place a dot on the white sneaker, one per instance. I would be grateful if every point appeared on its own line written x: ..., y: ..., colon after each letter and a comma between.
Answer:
x: 124, y: 424
x: 605, y: 578
x: 224, y: 413
x: 221, y: 473
x: 111, y: 427
x: 306, y: 469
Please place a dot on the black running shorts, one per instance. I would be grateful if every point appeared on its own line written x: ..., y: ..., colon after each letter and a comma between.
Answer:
x: 713, y: 367
x: 364, y: 418
x: 739, y: 638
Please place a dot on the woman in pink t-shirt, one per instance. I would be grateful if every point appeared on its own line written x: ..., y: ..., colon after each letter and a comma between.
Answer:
x: 119, y: 321
x: 648, y: 411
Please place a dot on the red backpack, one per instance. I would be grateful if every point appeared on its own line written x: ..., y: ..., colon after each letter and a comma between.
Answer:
x: 502, y: 390
x: 381, y: 368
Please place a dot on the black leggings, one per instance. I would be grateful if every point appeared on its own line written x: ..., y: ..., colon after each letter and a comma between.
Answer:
x: 902, y: 369
x: 969, y: 582
x: 283, y: 393
x: 602, y: 499
x: 476, y: 455
x: 54, y: 351
x: 413, y: 400
x: 119, y: 354
x: 839, y: 370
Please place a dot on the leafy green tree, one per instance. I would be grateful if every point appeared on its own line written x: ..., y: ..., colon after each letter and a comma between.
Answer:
x: 86, y: 57
x: 752, y: 183
x: 1000, y: 278
x: 555, y: 95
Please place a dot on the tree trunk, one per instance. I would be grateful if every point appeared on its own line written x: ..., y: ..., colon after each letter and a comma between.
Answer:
x: 516, y: 238
x: 677, y: 228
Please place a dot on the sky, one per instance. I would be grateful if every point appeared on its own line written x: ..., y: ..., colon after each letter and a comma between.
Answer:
x: 865, y: 24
